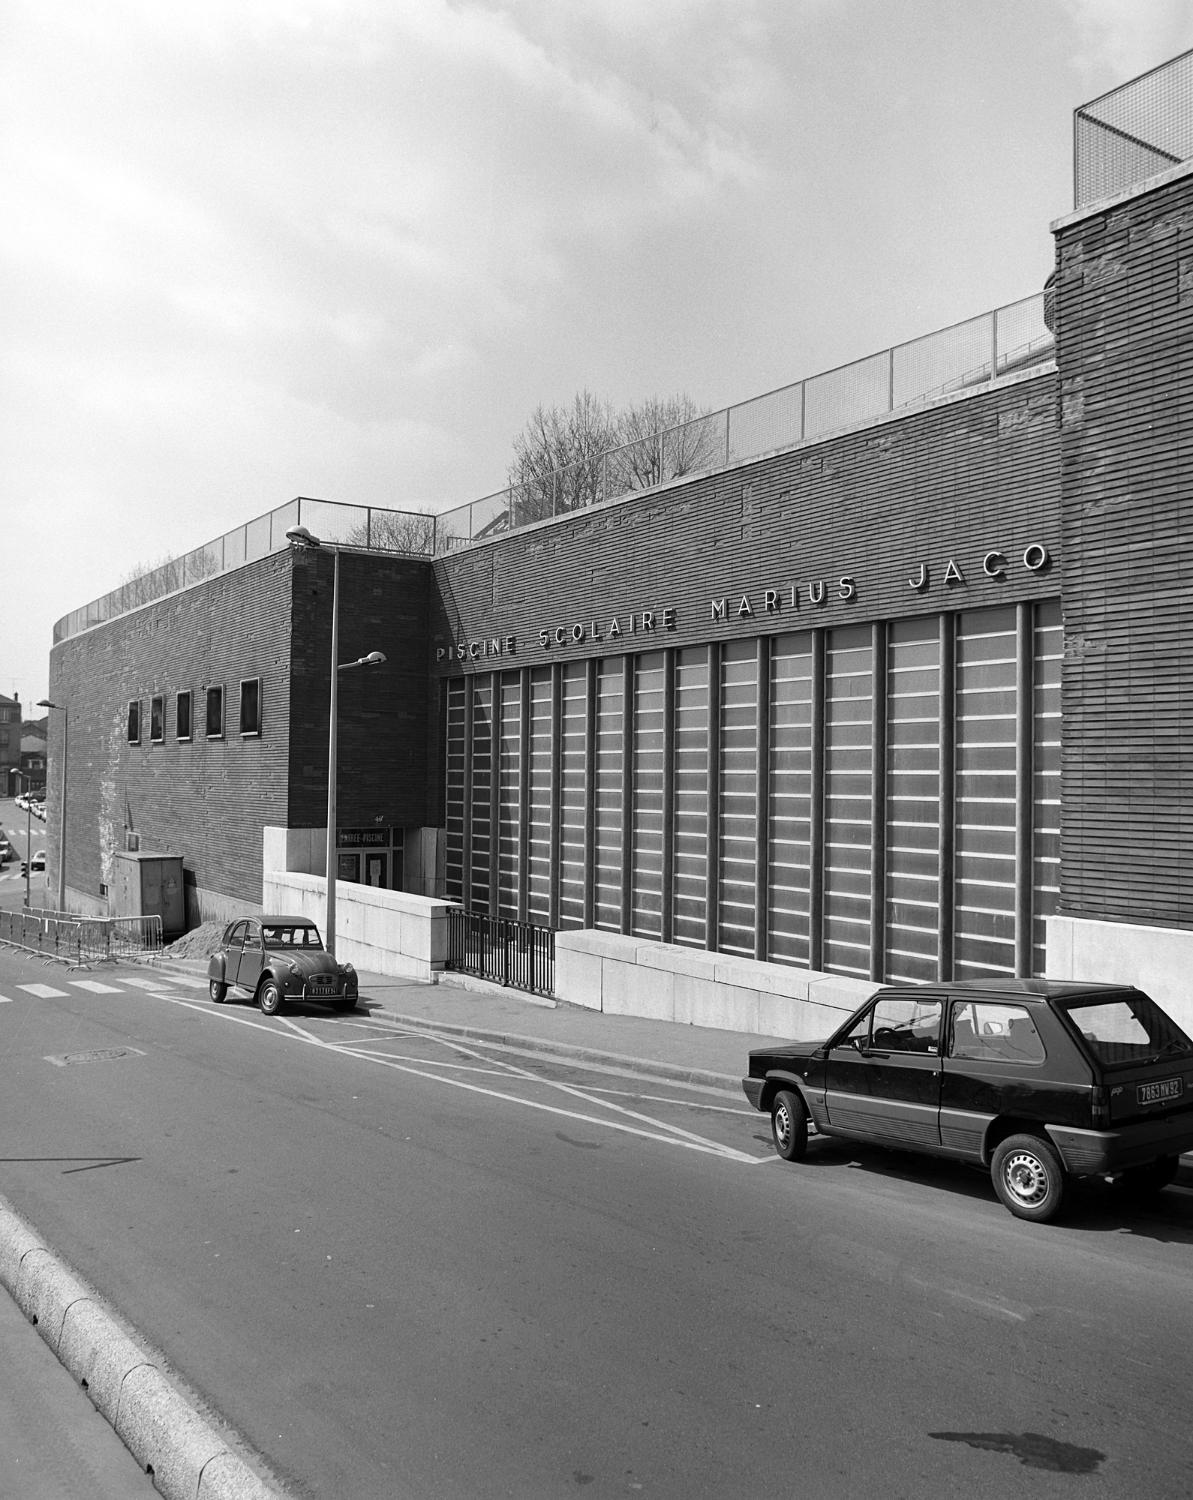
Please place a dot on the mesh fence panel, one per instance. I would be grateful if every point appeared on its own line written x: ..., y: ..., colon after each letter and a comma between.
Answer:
x: 947, y: 360
x: 840, y: 397
x: 1141, y: 128
x: 775, y: 420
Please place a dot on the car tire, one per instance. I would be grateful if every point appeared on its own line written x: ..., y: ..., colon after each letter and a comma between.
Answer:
x: 789, y: 1125
x: 1029, y: 1177
x: 269, y: 998
x: 216, y: 990
x: 1151, y: 1178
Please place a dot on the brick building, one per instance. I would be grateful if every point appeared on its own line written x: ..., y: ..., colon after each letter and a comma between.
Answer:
x: 10, y: 743
x: 894, y: 687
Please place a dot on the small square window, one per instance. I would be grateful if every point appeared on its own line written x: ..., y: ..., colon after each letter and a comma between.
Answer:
x: 215, y: 713
x: 157, y: 719
x: 182, y: 716
x: 134, y: 722
x: 250, y: 706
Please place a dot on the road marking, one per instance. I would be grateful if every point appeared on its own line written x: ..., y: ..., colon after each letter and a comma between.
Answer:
x: 94, y: 986
x: 43, y: 991
x: 667, y: 1135
x: 145, y: 984
x: 5, y: 999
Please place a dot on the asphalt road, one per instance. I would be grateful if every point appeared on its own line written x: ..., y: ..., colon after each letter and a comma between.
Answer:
x: 403, y: 1267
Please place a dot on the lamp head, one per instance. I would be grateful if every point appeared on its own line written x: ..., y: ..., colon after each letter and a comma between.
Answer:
x: 299, y: 536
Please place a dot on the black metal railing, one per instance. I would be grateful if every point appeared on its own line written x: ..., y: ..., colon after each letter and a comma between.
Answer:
x: 517, y: 954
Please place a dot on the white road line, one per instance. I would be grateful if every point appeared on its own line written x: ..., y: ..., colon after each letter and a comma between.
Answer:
x: 43, y: 991
x: 146, y: 984
x: 664, y: 1134
x: 5, y: 999
x: 94, y: 987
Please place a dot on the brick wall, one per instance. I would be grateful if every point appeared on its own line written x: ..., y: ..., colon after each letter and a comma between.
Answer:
x: 1124, y: 294
x: 937, y: 490
x: 208, y: 799
x: 382, y: 750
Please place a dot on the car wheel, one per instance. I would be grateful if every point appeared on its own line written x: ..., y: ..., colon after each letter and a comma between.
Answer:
x: 216, y: 990
x: 1153, y: 1177
x: 1028, y: 1177
x: 269, y: 998
x: 789, y: 1125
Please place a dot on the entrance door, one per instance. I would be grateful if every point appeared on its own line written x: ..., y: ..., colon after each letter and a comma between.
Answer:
x: 375, y: 869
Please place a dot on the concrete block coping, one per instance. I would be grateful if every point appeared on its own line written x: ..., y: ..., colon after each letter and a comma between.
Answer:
x: 166, y: 1435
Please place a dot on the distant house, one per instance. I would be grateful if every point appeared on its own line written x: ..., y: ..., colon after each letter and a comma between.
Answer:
x: 33, y: 759
x: 10, y: 742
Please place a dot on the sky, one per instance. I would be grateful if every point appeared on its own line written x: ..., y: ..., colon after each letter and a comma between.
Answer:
x: 343, y: 248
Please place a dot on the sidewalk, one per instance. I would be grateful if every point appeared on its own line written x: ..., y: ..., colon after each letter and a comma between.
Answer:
x: 468, y: 1008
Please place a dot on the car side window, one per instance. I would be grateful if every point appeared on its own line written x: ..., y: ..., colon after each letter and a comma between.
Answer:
x: 906, y: 1025
x: 252, y: 936
x: 986, y: 1031
x: 235, y: 938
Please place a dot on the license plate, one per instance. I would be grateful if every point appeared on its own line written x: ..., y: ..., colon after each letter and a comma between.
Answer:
x: 324, y: 988
x: 1150, y: 1093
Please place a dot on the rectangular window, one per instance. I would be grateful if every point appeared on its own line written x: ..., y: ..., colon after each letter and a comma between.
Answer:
x: 157, y: 718
x: 134, y: 722
x: 250, y: 705
x: 182, y: 716
x: 215, y: 713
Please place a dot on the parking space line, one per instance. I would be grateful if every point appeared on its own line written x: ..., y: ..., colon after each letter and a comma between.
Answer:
x: 668, y: 1135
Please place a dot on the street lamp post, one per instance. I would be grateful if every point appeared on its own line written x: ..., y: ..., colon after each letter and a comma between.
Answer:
x: 299, y: 536
x: 58, y: 707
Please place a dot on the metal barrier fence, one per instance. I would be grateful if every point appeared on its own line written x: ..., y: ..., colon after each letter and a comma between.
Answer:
x: 1136, y: 130
x: 516, y: 954
x: 81, y: 940
x: 995, y: 343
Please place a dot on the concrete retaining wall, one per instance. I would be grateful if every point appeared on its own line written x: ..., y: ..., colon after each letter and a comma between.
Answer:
x: 1157, y: 959
x: 386, y: 932
x: 632, y: 976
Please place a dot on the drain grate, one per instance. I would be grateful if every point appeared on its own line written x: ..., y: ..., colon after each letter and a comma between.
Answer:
x: 99, y: 1054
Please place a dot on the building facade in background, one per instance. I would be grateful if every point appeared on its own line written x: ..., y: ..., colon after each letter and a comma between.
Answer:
x: 902, y: 697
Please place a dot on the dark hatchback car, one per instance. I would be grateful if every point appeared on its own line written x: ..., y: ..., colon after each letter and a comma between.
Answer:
x: 1038, y: 1080
x: 279, y: 958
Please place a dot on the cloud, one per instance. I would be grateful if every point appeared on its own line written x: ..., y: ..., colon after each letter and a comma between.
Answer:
x: 1118, y: 39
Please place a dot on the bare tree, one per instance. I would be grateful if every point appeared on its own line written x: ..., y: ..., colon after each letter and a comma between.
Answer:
x: 567, y: 457
x: 409, y: 531
x: 153, y: 580
x: 662, y: 438
x: 556, y: 464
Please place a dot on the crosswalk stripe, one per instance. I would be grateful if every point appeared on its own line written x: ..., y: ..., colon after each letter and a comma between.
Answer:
x: 43, y: 991
x: 94, y: 986
x: 146, y: 984
x: 5, y: 999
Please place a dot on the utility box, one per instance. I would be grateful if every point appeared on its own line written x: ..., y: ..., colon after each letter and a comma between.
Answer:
x: 149, y: 885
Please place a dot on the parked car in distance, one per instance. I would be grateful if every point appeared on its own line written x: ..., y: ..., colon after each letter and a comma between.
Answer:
x: 1038, y: 1080
x: 274, y: 959
x: 38, y: 862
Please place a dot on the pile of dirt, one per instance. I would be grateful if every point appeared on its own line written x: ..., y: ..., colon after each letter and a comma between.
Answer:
x: 199, y: 942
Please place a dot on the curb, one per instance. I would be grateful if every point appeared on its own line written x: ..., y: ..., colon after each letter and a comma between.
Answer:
x: 536, y: 1046
x: 184, y: 1455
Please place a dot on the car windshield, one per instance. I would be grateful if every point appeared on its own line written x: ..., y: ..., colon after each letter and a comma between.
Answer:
x: 280, y: 936
x: 1128, y: 1028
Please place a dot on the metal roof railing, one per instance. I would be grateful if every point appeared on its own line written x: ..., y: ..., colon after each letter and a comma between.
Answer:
x: 1137, y: 130
x: 966, y: 355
